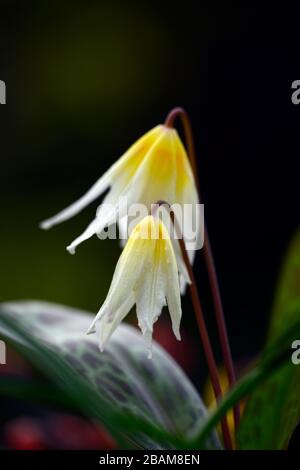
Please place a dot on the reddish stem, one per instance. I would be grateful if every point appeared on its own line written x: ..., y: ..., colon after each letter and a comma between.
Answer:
x: 211, y: 362
x: 212, y: 366
x: 208, y: 256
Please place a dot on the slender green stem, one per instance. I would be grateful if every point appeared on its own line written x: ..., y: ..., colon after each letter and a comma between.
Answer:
x: 208, y: 257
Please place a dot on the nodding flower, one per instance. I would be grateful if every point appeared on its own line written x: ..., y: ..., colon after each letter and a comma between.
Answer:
x: 146, y: 275
x: 155, y: 167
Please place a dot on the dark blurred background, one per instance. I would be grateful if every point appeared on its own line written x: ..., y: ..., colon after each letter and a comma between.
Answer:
x: 85, y: 79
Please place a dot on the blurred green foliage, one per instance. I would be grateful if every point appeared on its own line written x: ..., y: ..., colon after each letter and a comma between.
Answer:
x: 273, y: 409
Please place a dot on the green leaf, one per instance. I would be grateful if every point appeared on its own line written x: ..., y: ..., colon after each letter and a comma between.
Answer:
x: 273, y: 409
x: 151, y: 402
x: 276, y: 356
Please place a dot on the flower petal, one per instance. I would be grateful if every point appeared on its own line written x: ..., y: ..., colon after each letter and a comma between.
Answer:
x: 148, y: 340
x: 172, y: 289
x: 163, y: 213
x: 150, y: 289
x: 127, y: 272
x: 108, y: 323
x: 94, y: 227
x: 123, y: 170
x: 95, y: 191
x: 123, y: 230
x: 155, y: 177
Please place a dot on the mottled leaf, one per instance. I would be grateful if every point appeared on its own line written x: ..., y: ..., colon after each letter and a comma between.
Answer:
x: 122, y: 377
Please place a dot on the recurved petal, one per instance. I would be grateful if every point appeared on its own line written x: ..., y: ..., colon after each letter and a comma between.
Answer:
x: 96, y: 226
x: 122, y: 171
x: 95, y: 191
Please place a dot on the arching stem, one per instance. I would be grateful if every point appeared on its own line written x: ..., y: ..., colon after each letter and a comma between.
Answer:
x: 208, y: 256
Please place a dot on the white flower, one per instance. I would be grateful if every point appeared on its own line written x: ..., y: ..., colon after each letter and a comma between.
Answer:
x: 155, y: 168
x: 146, y: 275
